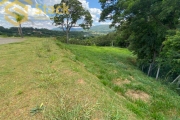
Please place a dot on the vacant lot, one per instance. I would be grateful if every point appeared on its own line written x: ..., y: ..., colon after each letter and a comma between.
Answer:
x: 43, y: 79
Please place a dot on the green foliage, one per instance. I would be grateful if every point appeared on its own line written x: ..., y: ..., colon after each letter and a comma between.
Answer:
x: 171, y: 47
x: 171, y: 54
x: 106, y: 40
x: 19, y: 17
x: 144, y: 25
x: 111, y: 39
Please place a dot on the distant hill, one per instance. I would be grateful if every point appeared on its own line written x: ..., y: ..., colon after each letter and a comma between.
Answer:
x: 56, y: 29
x: 98, y: 28
x: 72, y: 29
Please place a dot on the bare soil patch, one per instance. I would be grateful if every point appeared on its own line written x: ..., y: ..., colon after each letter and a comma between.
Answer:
x: 120, y: 82
x: 81, y: 81
x: 136, y: 94
x: 68, y: 72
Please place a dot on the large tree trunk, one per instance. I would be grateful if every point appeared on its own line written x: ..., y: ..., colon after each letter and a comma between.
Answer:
x: 157, y: 74
x: 67, y: 37
x: 143, y: 68
x: 21, y: 30
x: 150, y: 67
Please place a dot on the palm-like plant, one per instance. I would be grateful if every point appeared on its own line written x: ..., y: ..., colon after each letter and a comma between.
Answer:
x: 19, y: 19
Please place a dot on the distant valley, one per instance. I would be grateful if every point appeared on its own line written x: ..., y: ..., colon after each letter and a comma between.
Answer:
x: 98, y: 28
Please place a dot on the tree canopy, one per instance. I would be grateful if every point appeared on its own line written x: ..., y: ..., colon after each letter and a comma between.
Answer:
x: 71, y: 14
x: 145, y: 24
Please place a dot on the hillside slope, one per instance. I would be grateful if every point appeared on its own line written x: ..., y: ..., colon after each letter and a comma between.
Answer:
x: 44, y: 79
x: 37, y: 72
x: 116, y: 69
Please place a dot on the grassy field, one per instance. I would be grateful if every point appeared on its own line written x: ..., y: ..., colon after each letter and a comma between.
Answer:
x: 43, y: 79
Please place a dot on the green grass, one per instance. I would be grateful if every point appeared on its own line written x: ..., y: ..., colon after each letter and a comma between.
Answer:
x: 45, y: 79
x: 115, y: 65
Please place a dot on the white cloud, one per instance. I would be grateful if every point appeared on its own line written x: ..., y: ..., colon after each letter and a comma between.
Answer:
x: 95, y: 13
x: 2, y: 6
x: 34, y: 15
x: 2, y: 11
x: 39, y: 18
x: 51, y: 2
x: 85, y: 4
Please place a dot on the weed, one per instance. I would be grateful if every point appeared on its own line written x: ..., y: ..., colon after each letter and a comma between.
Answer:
x: 157, y: 116
x: 67, y: 109
x: 52, y: 58
x: 37, y: 109
x: 116, y: 88
x: 138, y: 111
x: 136, y: 87
x: 20, y: 92
x: 47, y: 45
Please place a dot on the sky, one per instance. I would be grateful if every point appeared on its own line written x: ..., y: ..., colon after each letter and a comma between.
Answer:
x: 38, y: 12
x: 94, y: 4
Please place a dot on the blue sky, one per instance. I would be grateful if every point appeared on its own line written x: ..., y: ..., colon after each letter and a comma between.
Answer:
x: 94, y: 4
x: 42, y: 19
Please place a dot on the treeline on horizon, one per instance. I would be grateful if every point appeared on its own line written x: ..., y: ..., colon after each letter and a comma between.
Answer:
x: 76, y: 37
x: 35, y: 32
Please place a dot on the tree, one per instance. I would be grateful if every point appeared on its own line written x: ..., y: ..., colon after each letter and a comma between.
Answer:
x: 171, y: 54
x: 147, y: 23
x: 19, y: 19
x: 68, y: 16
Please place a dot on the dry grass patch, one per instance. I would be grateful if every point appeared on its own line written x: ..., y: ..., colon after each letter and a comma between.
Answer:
x: 115, y: 71
x: 121, y: 82
x: 81, y: 81
x: 131, y: 77
x: 136, y: 95
x: 68, y: 72
x: 173, y: 112
x: 98, y: 115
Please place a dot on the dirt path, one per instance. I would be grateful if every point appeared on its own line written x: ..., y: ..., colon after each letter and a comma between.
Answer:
x: 10, y: 40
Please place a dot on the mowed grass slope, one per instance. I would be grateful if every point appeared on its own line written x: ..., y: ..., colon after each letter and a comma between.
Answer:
x: 116, y: 69
x: 44, y: 79
x: 39, y: 80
